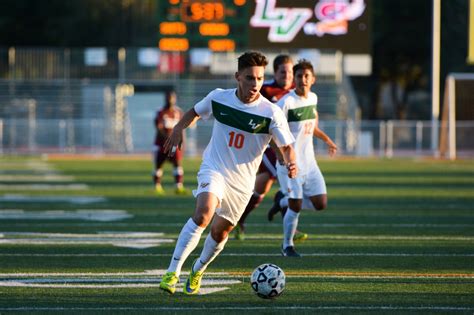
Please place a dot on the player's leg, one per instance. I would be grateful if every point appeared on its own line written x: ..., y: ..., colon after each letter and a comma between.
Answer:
x: 315, y: 188
x: 189, y: 238
x: 178, y: 172
x: 266, y: 176
x: 290, y: 224
x: 209, y: 193
x: 158, y: 158
x: 263, y: 184
x: 213, y: 245
x: 226, y: 217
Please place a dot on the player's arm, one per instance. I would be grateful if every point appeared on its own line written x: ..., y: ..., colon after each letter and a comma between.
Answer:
x: 332, y: 147
x: 175, y: 139
x: 289, y: 157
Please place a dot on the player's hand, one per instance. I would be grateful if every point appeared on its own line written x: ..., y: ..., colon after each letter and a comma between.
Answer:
x: 332, y: 149
x: 292, y: 169
x: 173, y: 142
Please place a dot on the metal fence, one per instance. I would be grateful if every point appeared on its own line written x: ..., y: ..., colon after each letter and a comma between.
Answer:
x: 92, y: 136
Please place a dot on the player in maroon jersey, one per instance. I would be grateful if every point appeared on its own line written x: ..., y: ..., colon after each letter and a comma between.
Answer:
x: 166, y: 118
x: 281, y: 84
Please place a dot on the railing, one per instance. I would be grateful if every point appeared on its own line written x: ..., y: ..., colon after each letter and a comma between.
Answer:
x: 365, y: 138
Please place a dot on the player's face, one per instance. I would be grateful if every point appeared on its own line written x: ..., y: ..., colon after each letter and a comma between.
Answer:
x: 284, y: 75
x: 171, y: 99
x: 250, y: 82
x: 304, y: 79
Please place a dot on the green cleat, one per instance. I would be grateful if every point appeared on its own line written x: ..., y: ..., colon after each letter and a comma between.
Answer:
x: 239, y: 233
x: 300, y: 236
x: 159, y: 190
x: 194, y: 281
x: 180, y: 191
x: 168, y: 282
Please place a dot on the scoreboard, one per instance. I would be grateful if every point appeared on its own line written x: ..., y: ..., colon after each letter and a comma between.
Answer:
x: 219, y: 25
x: 230, y: 25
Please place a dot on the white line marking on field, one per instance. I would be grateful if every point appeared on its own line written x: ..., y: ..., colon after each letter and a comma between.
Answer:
x: 104, y: 215
x: 44, y: 187
x: 106, y: 281
x: 147, y: 273
x: 37, y: 178
x: 120, y: 239
x: 70, y: 199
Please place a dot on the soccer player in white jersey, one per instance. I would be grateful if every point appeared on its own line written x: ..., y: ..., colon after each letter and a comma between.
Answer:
x: 299, y: 106
x: 244, y: 124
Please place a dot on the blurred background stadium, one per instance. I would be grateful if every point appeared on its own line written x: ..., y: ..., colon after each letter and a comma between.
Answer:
x: 86, y: 76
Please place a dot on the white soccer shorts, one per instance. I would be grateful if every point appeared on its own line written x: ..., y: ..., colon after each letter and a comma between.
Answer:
x: 232, y: 201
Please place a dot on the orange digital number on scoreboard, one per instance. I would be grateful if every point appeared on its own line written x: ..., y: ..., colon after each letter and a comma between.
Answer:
x: 200, y: 11
x: 172, y: 28
x: 214, y: 29
x: 221, y: 44
x: 173, y: 44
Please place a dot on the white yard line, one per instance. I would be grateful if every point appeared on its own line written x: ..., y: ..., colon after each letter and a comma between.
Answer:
x: 37, y: 178
x: 80, y: 214
x: 69, y: 199
x: 23, y: 187
x: 119, y: 239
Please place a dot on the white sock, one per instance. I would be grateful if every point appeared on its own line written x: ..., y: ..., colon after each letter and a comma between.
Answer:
x: 290, y: 222
x: 209, y: 253
x: 187, y: 241
x: 284, y: 202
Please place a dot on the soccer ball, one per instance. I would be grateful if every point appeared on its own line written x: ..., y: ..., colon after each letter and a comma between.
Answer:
x: 268, y: 281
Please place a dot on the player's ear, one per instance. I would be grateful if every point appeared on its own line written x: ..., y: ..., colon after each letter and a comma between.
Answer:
x: 237, y: 75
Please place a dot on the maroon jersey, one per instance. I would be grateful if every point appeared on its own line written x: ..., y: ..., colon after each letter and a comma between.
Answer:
x: 165, y: 120
x: 273, y: 92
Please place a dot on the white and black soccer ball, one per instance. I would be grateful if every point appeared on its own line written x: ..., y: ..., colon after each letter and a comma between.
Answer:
x: 268, y: 281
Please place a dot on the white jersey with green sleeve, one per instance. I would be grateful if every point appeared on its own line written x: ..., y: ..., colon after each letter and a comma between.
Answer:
x: 301, y: 113
x: 240, y: 135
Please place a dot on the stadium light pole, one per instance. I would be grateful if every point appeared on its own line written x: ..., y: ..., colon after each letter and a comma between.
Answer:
x: 435, y: 76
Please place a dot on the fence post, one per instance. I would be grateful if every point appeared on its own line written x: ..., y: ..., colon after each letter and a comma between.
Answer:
x: 389, y: 152
x: 62, y: 135
x: 122, y: 54
x: 382, y: 137
x: 419, y: 137
x: 1, y: 136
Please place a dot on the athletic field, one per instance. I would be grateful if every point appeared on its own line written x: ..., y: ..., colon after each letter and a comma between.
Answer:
x: 89, y: 236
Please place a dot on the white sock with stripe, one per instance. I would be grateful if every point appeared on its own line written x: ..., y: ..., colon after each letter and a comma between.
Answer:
x: 187, y: 241
x: 290, y: 223
x: 209, y: 253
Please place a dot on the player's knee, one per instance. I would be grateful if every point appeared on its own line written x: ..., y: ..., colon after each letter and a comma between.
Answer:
x: 203, y: 216
x: 320, y: 203
x: 219, y: 235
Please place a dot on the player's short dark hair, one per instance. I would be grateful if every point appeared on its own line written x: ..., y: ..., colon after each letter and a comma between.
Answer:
x: 303, y: 64
x: 251, y: 59
x: 281, y: 60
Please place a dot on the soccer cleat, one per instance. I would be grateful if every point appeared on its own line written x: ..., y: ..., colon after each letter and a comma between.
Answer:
x: 194, y: 281
x: 168, y: 282
x: 300, y: 236
x: 239, y: 233
x: 159, y: 190
x: 289, y: 252
x: 276, y: 205
x: 180, y: 191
